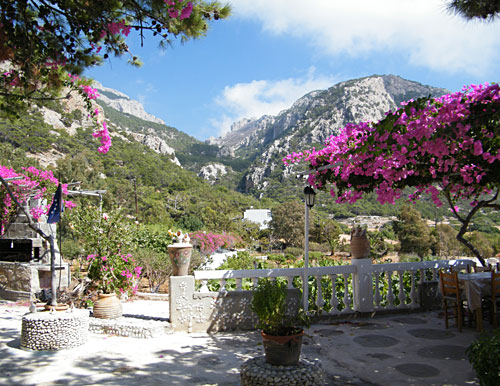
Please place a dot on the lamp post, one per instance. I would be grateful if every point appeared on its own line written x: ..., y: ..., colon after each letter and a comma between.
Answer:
x: 310, y: 197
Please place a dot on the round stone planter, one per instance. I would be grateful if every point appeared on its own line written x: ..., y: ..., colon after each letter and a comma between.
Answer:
x: 107, y: 306
x: 257, y: 372
x: 43, y: 331
x: 180, y: 256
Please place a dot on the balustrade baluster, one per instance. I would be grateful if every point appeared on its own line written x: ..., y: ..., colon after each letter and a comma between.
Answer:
x: 402, y: 294
x: 347, y: 299
x: 390, y: 294
x: 320, y: 302
x: 289, y: 280
x: 239, y: 284
x: 334, y: 301
x: 376, y: 296
x: 254, y: 282
x: 413, y: 292
x: 222, y: 286
x: 204, y: 286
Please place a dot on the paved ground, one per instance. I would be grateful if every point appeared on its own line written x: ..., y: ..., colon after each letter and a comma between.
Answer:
x: 407, y: 349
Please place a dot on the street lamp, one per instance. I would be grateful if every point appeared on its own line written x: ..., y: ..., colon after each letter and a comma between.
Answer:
x: 310, y: 198
x: 310, y: 195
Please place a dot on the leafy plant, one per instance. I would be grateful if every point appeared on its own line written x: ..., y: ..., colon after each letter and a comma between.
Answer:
x: 156, y: 265
x: 106, y: 239
x: 269, y: 303
x: 484, y: 355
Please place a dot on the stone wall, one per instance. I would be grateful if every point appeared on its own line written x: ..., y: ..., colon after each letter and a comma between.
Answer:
x: 192, y: 311
x: 23, y: 276
x: 19, y: 281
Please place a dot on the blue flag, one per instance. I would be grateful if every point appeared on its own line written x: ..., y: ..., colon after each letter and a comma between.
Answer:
x: 56, y: 208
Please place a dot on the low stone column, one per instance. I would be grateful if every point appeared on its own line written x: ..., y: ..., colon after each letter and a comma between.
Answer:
x: 362, y: 285
x: 54, y: 331
x: 189, y: 313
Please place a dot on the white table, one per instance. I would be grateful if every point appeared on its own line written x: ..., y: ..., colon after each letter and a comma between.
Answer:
x: 475, y: 287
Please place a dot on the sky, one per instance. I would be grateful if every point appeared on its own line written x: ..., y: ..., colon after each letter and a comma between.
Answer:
x: 269, y: 53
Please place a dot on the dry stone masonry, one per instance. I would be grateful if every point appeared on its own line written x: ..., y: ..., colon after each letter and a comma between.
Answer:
x: 257, y: 372
x: 43, y: 331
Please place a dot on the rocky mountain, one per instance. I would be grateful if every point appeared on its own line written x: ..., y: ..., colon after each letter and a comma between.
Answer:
x: 248, y: 158
x: 309, y: 122
x: 121, y: 102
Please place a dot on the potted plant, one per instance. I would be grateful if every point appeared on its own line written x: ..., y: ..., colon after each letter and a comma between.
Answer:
x: 484, y: 355
x: 106, y: 238
x: 180, y: 252
x: 282, y: 332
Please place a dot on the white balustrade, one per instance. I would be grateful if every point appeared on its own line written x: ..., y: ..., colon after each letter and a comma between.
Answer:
x: 358, y: 285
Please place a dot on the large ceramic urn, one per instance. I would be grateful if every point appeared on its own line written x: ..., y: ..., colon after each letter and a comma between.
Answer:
x: 107, y: 306
x: 180, y: 256
x: 360, y: 245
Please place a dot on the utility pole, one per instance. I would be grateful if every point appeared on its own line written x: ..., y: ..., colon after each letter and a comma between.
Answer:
x: 136, y: 206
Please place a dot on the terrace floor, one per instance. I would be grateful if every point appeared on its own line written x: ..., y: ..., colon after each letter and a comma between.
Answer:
x: 396, y: 349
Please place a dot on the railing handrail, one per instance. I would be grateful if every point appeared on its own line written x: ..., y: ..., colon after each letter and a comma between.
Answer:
x: 416, y: 265
x: 334, y: 269
x: 272, y: 272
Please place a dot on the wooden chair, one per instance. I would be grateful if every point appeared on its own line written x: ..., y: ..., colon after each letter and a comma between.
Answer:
x: 478, y: 268
x: 495, y: 296
x: 450, y: 291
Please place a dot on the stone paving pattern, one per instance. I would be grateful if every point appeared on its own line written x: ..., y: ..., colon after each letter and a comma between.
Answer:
x: 398, y: 349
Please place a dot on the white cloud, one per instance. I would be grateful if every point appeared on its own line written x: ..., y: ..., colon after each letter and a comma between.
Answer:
x: 261, y: 97
x: 420, y: 30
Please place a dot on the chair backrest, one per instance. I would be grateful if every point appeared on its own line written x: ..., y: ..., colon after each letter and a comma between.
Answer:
x: 495, y: 284
x: 478, y: 268
x: 449, y: 284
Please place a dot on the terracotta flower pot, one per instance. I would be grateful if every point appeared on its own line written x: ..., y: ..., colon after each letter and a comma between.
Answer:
x: 107, y: 306
x: 360, y: 247
x: 180, y: 256
x: 282, y: 350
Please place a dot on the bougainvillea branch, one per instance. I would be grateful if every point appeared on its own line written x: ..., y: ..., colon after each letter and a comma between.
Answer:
x: 42, y: 41
x: 444, y: 146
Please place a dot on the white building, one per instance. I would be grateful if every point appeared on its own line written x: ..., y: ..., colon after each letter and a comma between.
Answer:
x: 259, y: 216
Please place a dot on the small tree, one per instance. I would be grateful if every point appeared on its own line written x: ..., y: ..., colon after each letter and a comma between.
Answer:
x: 326, y: 230
x: 447, y: 243
x: 413, y: 232
x: 287, y: 223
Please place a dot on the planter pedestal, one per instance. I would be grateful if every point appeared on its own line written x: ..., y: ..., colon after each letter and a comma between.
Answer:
x: 54, y: 331
x: 282, y: 350
x: 257, y: 372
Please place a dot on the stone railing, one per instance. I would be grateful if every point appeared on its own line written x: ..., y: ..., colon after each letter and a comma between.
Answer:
x: 222, y: 301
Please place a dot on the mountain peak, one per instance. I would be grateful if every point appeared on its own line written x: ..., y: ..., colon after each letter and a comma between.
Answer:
x: 121, y: 102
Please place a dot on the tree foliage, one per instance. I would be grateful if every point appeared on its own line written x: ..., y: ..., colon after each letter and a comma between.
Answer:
x: 475, y: 9
x: 288, y: 223
x: 413, y: 232
x: 42, y: 41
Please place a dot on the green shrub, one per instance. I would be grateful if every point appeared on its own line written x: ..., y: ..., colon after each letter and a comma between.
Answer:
x: 156, y: 267
x: 484, y: 355
x: 297, y: 252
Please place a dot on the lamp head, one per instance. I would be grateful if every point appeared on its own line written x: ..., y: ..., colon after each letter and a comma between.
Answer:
x: 310, y: 196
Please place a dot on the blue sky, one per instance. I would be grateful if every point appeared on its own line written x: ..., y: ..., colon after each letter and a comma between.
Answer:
x: 270, y: 53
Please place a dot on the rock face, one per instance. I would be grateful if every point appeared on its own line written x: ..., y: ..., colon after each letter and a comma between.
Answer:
x: 310, y: 121
x: 243, y: 134
x: 156, y: 144
x: 123, y: 103
x: 212, y: 172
